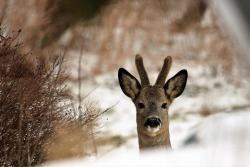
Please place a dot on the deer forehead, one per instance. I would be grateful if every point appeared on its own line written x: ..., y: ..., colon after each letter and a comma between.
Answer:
x: 152, y: 94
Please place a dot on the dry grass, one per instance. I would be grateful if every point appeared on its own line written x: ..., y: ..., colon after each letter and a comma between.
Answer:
x: 44, y: 21
x: 32, y: 108
x: 68, y: 142
x: 187, y: 30
x: 72, y: 140
x: 29, y: 97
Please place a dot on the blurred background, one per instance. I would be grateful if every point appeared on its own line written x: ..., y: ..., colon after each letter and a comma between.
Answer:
x: 91, y: 40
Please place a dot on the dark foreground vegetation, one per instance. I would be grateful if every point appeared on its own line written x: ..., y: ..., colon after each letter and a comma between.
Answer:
x: 34, y: 107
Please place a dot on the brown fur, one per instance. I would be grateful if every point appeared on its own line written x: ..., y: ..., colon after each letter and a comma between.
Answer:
x: 152, y: 101
x: 148, y: 96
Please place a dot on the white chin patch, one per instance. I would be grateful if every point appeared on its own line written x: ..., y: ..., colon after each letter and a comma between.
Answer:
x: 153, y: 130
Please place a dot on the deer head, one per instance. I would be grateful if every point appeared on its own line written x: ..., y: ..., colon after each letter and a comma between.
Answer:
x: 152, y: 101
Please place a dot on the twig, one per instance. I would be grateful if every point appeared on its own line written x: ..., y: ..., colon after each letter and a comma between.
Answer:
x: 106, y: 110
x: 60, y: 64
x: 84, y: 97
x: 79, y: 78
x: 5, y: 6
x: 20, y: 135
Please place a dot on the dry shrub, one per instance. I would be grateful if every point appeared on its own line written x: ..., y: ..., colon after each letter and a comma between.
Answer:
x: 75, y: 138
x: 63, y: 14
x: 187, y: 30
x: 68, y: 142
x: 29, y: 97
x: 44, y: 21
x: 71, y: 141
x: 32, y: 104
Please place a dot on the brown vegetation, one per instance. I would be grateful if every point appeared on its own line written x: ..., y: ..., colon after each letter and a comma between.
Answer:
x: 29, y: 97
x: 187, y: 31
x: 32, y: 110
x: 32, y: 105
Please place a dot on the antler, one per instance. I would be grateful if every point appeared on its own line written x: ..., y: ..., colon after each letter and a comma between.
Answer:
x: 164, y: 71
x: 141, y: 70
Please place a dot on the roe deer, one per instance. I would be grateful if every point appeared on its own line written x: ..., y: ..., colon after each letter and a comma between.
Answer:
x: 152, y: 102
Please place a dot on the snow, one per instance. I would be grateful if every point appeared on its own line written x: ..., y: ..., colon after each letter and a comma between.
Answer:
x: 196, y: 140
x: 220, y: 139
x: 224, y: 140
x: 205, y: 91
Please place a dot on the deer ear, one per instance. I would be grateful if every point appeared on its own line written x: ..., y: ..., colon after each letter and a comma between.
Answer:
x: 176, y: 85
x: 128, y: 83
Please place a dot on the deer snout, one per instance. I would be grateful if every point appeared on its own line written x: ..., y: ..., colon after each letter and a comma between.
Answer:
x: 152, y: 122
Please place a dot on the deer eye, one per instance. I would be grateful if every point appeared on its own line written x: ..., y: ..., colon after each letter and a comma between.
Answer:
x: 164, y: 105
x: 141, y: 105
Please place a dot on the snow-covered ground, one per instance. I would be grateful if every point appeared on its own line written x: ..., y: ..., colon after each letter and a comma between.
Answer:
x: 205, y: 94
x: 208, y: 92
x: 221, y: 140
x: 201, y: 120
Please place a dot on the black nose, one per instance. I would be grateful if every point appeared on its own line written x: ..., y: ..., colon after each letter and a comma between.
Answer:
x: 152, y: 122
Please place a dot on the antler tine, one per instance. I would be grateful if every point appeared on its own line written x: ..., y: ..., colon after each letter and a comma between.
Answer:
x: 141, y: 70
x: 164, y: 71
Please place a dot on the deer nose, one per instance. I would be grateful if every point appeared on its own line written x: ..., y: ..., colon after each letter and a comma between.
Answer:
x: 152, y: 122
